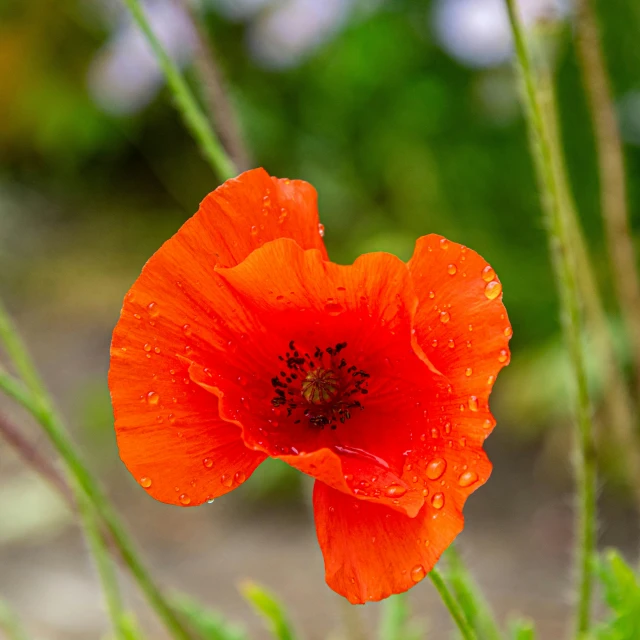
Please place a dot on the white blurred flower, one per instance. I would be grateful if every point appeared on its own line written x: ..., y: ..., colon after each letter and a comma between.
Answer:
x: 281, y: 36
x: 477, y: 32
x: 124, y: 76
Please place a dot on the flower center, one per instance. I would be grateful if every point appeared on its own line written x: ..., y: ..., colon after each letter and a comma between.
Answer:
x: 321, y: 389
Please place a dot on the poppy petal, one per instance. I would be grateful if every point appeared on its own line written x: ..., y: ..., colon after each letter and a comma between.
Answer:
x: 169, y: 431
x: 371, y: 552
x: 463, y: 328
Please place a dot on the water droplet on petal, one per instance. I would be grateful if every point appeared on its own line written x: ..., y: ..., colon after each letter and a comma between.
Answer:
x: 208, y: 463
x: 437, y: 502
x: 254, y: 230
x: 321, y: 230
x: 493, y: 290
x: 153, y: 398
x: 468, y: 371
x: 452, y: 269
x: 444, y: 243
x: 187, y: 329
x: 436, y: 468
x: 145, y: 482
x: 226, y: 480
x: 468, y: 478
x: 488, y: 274
x: 418, y: 573
x: 508, y: 332
x: 147, y: 347
x: 153, y: 310
x: 432, y: 295
x: 185, y: 499
x: 473, y: 403
x: 503, y: 355
x: 395, y: 491
x: 434, y: 343
x: 445, y: 317
x: 491, y: 380
x: 451, y: 344
x: 333, y: 308
x: 240, y: 477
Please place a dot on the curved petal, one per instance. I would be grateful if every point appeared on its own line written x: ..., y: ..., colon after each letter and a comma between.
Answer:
x: 463, y: 328
x: 371, y: 552
x: 347, y: 320
x: 169, y: 431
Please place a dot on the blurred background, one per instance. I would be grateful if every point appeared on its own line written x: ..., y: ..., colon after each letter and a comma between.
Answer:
x: 404, y: 115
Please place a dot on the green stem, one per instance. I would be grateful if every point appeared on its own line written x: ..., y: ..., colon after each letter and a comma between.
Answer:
x: 466, y: 591
x: 452, y: 605
x: 10, y: 624
x: 190, y: 110
x: 613, y: 190
x: 564, y: 261
x: 38, y: 404
x: 104, y: 564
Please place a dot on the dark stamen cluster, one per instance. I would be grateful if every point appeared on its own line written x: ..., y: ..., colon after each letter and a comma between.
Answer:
x: 320, y: 386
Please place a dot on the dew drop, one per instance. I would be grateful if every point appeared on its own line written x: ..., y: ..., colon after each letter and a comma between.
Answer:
x: 445, y: 317
x: 436, y: 468
x: 187, y: 329
x: 333, y: 308
x: 418, y: 573
x: 321, y: 230
x: 145, y: 482
x: 451, y: 344
x: 395, y: 491
x: 208, y: 463
x: 488, y: 274
x: 172, y: 418
x: 156, y: 349
x: 153, y: 398
x: 437, y: 502
x: 473, y: 403
x: 185, y: 499
x: 493, y: 290
x: 240, y: 477
x: 468, y: 478
x: 254, y: 230
x: 503, y: 355
x: 508, y: 332
x: 425, y: 492
x: 153, y: 310
x: 226, y: 480
x: 491, y: 380
x: 468, y: 371
x: 435, y: 433
x: 452, y: 269
x: 434, y: 343
x: 444, y: 243
x: 447, y: 428
x: 147, y: 347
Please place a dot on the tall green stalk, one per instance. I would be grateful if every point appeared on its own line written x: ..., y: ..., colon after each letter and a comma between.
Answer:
x: 613, y: 190
x: 103, y: 562
x: 564, y: 263
x: 192, y: 115
x: 452, y: 605
x: 34, y: 398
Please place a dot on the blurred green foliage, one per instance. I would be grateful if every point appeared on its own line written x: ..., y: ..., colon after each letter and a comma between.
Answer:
x: 398, y: 138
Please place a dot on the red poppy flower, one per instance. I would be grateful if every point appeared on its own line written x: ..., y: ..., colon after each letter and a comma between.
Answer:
x: 240, y: 340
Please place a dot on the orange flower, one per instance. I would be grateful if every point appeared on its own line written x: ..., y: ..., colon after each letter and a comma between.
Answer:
x: 240, y: 340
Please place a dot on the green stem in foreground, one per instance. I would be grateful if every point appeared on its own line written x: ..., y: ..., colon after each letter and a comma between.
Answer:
x: 104, y: 563
x: 452, y: 605
x: 36, y: 401
x: 469, y: 595
x: 563, y: 260
x: 192, y: 115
